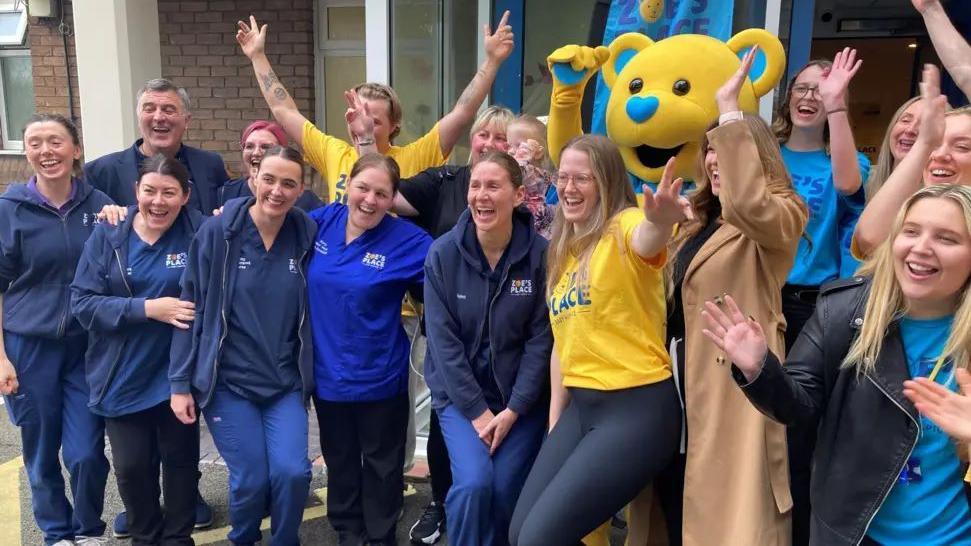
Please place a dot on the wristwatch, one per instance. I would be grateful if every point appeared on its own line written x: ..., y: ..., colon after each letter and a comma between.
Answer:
x: 737, y: 115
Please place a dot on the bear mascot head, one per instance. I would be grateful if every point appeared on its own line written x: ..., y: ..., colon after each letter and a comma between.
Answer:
x: 662, y: 94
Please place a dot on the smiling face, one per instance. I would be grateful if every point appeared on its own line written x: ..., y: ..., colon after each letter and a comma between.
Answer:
x: 160, y: 199
x: 487, y: 139
x: 576, y: 187
x: 950, y: 163
x: 50, y: 150
x: 904, y: 132
x: 932, y: 256
x: 370, y: 195
x: 711, y: 169
x: 279, y: 183
x: 256, y: 144
x: 805, y: 104
x: 162, y: 120
x: 492, y: 197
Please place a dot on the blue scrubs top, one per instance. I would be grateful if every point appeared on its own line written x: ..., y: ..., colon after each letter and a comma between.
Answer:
x: 259, y: 354
x: 360, y: 348
x: 141, y: 380
x: 927, y: 504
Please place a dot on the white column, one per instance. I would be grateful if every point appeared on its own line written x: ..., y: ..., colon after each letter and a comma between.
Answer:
x: 377, y: 48
x: 118, y: 50
x: 773, y: 10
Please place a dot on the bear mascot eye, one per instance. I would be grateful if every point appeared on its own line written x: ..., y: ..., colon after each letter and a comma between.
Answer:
x: 636, y: 85
x: 681, y: 87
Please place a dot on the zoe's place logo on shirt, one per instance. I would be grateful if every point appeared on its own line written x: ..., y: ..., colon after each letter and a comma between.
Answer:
x: 373, y: 259
x: 321, y: 247
x: 573, y: 296
x: 293, y: 265
x: 90, y: 219
x: 244, y: 263
x: 521, y: 287
x: 175, y: 261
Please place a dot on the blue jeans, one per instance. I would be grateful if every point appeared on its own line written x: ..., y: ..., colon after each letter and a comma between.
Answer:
x: 485, y: 488
x: 51, y: 409
x: 265, y: 449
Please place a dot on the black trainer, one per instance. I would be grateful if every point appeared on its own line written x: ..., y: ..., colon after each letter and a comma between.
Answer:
x: 428, y: 529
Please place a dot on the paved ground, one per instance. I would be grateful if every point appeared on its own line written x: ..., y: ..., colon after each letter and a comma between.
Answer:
x: 15, y: 500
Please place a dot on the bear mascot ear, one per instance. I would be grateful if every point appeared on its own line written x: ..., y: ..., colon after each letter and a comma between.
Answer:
x: 769, y: 63
x: 622, y: 50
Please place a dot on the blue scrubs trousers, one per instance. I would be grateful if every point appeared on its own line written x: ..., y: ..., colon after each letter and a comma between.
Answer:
x: 485, y: 488
x: 51, y: 409
x: 265, y: 448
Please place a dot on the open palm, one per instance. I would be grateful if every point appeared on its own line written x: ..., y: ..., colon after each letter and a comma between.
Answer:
x: 947, y: 409
x: 251, y: 37
x: 741, y: 338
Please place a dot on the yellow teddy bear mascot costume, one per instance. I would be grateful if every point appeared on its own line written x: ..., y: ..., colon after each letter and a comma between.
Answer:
x: 662, y: 94
x: 661, y: 102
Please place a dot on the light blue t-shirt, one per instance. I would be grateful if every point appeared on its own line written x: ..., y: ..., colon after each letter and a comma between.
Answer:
x: 824, y: 250
x: 927, y: 504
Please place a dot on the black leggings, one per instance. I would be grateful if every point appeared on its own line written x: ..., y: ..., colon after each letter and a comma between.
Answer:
x: 606, y: 447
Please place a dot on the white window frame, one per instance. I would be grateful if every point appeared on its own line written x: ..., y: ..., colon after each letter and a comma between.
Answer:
x: 9, y: 143
x: 331, y: 48
x: 17, y: 38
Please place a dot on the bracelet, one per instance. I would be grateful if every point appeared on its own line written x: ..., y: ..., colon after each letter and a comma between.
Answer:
x: 365, y: 142
x: 843, y: 109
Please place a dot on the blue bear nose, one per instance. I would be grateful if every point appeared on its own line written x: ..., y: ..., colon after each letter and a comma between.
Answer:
x: 640, y: 109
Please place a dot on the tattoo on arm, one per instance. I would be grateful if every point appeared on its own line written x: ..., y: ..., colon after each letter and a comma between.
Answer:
x: 472, y: 89
x: 280, y: 93
x: 269, y: 79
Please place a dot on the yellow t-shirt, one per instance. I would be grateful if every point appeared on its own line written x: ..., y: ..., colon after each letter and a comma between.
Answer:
x: 610, y: 333
x: 333, y: 158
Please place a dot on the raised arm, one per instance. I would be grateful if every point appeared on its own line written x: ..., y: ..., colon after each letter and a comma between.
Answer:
x: 773, y: 221
x: 252, y: 39
x: 873, y: 227
x: 951, y: 47
x: 498, y: 46
x: 662, y: 210
x: 846, y: 168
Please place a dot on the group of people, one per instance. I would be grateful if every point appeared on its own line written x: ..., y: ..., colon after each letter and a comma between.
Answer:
x: 587, y: 348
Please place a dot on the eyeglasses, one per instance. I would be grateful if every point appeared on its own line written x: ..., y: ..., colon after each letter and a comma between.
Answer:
x: 800, y: 90
x: 580, y: 180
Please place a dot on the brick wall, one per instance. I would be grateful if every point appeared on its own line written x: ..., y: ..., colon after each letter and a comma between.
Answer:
x: 200, y: 53
x: 50, y: 69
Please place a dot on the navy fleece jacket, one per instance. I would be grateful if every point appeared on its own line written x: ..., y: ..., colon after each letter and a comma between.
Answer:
x: 457, y: 303
x: 39, y: 251
x: 209, y: 281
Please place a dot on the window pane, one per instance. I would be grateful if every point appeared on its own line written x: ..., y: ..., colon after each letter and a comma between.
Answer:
x: 18, y: 89
x: 461, y: 59
x: 340, y: 73
x: 345, y: 23
x: 549, y: 24
x: 416, y: 68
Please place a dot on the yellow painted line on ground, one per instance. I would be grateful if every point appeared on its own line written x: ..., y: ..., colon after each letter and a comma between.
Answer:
x: 10, y: 501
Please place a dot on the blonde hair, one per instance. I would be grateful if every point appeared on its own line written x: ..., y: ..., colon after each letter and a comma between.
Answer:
x: 885, y: 159
x: 496, y: 116
x: 537, y: 130
x: 615, y: 194
x: 885, y: 301
x: 380, y: 91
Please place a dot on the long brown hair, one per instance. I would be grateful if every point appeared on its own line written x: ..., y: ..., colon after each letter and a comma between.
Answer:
x: 782, y: 121
x: 614, y: 195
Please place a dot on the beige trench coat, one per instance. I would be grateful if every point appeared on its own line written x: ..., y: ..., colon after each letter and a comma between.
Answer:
x: 736, y: 489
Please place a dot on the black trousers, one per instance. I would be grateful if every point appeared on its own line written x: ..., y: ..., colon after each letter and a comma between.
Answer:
x: 363, y: 444
x: 606, y: 447
x: 140, y: 442
x: 798, y: 306
x: 439, y: 466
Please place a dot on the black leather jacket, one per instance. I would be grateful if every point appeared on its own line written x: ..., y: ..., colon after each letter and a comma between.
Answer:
x: 867, y: 428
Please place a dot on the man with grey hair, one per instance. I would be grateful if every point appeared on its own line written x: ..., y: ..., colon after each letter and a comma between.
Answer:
x: 163, y: 111
x: 163, y: 115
